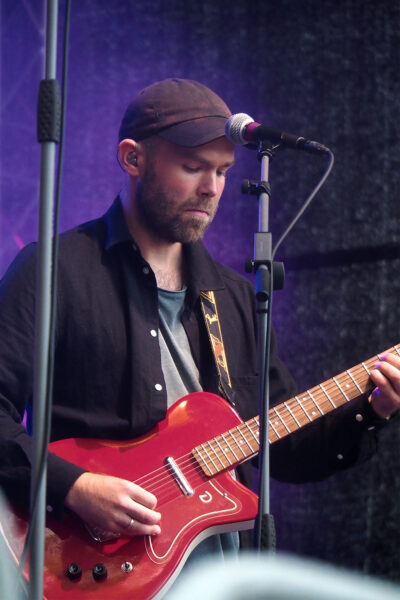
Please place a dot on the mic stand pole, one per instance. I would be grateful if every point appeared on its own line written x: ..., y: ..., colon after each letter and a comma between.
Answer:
x: 48, y: 136
x: 268, y: 275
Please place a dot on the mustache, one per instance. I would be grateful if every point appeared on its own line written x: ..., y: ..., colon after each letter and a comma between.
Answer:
x: 204, y: 205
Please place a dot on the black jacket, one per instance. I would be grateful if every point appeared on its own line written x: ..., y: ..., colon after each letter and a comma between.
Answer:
x: 108, y: 365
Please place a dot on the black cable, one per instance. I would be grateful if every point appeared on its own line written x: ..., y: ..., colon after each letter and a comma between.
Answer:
x: 54, y: 274
x: 306, y: 203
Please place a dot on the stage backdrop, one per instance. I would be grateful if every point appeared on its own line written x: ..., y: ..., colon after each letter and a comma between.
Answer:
x: 328, y: 70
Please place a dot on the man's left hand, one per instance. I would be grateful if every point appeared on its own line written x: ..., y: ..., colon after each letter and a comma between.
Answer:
x: 385, y: 399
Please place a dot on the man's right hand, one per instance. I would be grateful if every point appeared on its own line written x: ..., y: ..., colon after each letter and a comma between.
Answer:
x: 109, y: 504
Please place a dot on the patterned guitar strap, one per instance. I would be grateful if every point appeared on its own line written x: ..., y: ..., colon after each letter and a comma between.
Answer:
x: 211, y: 319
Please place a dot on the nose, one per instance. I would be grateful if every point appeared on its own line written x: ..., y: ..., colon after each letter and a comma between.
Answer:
x: 208, y: 185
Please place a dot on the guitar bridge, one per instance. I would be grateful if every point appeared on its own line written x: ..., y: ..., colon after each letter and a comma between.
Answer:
x: 179, y: 477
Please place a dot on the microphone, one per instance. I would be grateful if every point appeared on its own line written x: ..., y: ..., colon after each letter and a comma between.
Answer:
x: 242, y: 129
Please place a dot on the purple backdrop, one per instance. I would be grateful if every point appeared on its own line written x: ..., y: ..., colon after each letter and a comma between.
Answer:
x: 328, y: 70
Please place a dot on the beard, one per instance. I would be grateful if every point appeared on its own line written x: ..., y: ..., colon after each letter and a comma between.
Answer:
x: 164, y: 214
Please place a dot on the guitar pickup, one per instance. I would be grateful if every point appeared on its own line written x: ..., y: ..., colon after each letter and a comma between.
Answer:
x: 179, y: 477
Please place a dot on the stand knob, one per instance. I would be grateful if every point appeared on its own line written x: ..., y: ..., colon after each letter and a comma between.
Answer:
x: 248, y: 265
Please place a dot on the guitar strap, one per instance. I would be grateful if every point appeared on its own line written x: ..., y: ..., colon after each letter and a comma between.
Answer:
x: 211, y: 319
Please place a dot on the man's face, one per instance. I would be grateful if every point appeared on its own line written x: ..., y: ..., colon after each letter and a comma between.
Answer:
x: 178, y: 193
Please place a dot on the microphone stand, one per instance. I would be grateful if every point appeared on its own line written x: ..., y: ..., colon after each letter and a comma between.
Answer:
x: 269, y: 276
x: 48, y: 136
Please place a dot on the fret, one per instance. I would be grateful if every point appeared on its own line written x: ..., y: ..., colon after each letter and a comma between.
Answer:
x: 271, y: 441
x: 340, y: 388
x: 229, y: 447
x: 237, y: 444
x: 207, y: 468
x: 354, y: 381
x: 281, y: 420
x: 303, y: 408
x: 366, y: 370
x: 209, y: 458
x: 348, y: 385
x: 317, y: 405
x: 396, y: 350
x: 327, y: 395
x: 251, y: 433
x: 214, y: 451
x: 223, y: 452
x: 238, y: 428
x: 298, y: 412
x: 292, y: 415
x: 308, y: 399
x: 284, y: 415
x: 272, y: 425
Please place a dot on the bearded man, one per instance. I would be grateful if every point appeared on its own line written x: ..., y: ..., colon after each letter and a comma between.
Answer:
x: 131, y: 335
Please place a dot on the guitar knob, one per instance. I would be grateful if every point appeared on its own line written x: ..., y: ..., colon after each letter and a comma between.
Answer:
x: 74, y: 571
x: 99, y: 572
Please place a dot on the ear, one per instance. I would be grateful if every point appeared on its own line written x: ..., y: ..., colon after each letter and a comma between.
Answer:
x: 128, y: 156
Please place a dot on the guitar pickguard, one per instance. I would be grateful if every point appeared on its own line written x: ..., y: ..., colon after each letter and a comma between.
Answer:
x: 208, y: 504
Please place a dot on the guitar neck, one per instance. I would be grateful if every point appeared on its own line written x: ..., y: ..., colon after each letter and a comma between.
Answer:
x: 242, y: 442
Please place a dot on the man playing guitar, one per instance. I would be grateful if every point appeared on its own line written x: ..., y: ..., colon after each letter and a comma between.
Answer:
x: 131, y: 335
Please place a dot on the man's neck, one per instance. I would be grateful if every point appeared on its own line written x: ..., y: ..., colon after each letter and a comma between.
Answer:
x: 165, y: 258
x: 167, y: 262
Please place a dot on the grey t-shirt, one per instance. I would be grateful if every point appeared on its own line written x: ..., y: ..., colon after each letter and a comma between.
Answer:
x: 182, y: 377
x: 180, y: 371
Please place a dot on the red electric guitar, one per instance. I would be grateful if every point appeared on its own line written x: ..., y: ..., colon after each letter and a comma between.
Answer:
x: 186, y: 462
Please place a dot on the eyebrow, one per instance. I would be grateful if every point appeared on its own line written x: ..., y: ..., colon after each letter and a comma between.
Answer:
x: 199, y: 158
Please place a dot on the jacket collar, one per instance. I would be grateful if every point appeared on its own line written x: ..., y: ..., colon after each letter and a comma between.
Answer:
x: 117, y: 229
x: 202, y: 273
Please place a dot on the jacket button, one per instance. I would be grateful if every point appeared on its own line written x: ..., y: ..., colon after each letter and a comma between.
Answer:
x: 158, y: 387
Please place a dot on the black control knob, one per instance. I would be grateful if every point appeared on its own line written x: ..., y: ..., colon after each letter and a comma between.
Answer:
x: 99, y: 571
x: 74, y: 571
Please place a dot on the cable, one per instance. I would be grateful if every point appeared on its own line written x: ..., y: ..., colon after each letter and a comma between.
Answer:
x: 306, y: 203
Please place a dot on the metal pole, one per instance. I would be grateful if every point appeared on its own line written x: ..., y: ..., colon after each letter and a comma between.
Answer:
x: 43, y: 313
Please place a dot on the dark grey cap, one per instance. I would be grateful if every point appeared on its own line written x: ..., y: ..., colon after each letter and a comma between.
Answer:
x: 182, y: 111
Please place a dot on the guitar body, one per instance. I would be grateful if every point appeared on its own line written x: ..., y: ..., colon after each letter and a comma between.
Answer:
x: 212, y: 505
x: 196, y: 492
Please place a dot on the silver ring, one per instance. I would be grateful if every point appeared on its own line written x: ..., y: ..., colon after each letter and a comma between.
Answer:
x: 131, y: 523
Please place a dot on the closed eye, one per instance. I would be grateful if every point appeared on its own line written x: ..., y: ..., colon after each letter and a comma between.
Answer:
x: 190, y: 169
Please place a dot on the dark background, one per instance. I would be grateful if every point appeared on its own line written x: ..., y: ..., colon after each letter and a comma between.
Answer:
x: 325, y: 69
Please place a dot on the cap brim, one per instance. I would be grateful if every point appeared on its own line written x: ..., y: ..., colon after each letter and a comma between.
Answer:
x: 196, y: 132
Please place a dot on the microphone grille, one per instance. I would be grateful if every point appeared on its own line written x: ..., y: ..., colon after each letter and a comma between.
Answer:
x: 235, y: 127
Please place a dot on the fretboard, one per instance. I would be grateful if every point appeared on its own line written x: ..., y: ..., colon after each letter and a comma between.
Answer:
x: 242, y: 442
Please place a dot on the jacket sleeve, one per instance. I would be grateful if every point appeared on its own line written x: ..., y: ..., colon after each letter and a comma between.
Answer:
x: 344, y: 437
x: 17, y: 330
x: 335, y: 442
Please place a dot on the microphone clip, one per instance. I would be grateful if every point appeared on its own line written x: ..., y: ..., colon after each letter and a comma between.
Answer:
x: 256, y: 187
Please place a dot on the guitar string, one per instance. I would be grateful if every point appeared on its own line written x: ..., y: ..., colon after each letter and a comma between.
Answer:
x: 183, y: 462
x: 157, y: 483
x: 189, y: 458
x: 332, y: 389
x: 294, y: 404
x: 166, y: 475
